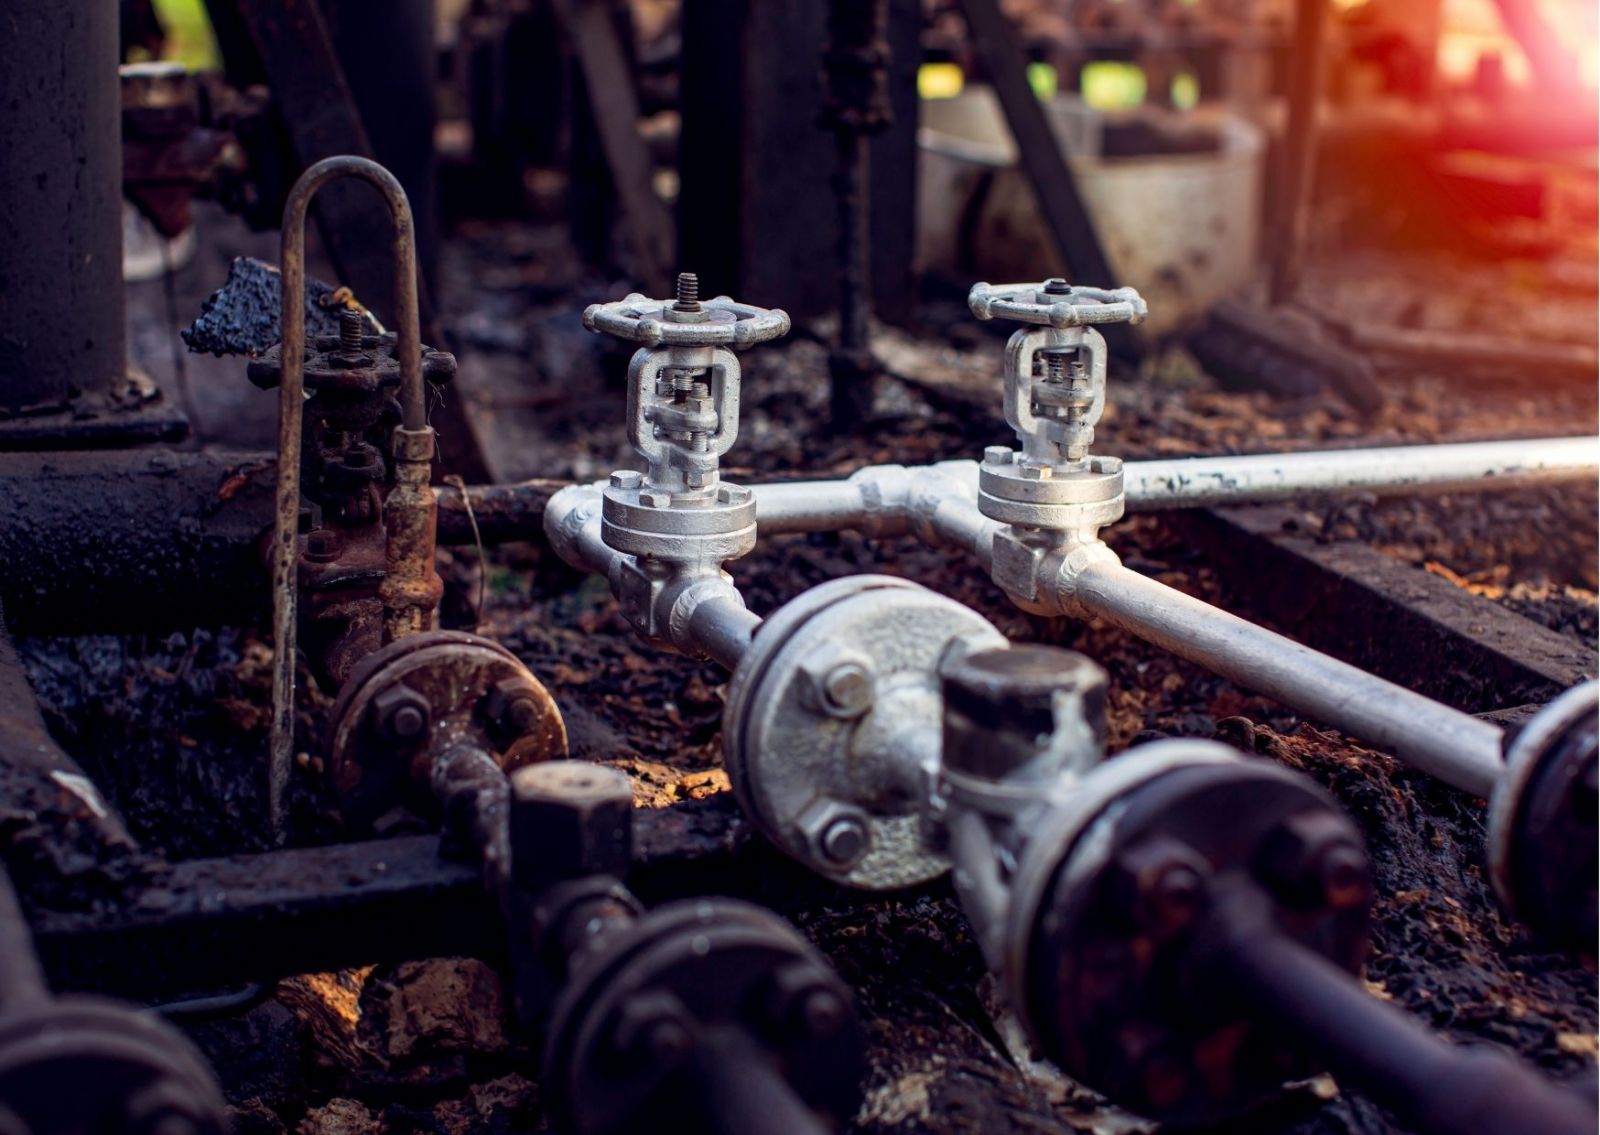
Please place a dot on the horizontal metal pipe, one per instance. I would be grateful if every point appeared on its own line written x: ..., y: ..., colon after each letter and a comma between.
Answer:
x: 1193, y: 482
x: 109, y: 541
x: 723, y: 627
x: 809, y: 506
x: 1453, y: 746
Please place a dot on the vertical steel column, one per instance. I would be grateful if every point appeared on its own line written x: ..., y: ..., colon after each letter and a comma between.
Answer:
x: 1291, y: 216
x: 61, y: 311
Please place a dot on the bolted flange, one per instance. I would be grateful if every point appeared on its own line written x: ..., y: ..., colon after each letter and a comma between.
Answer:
x: 1112, y: 892
x: 418, y: 697
x: 831, y: 732
x: 675, y: 987
x: 77, y: 1064
x: 1542, y: 820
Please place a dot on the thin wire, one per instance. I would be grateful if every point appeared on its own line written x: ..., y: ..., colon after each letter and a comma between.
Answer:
x: 455, y: 481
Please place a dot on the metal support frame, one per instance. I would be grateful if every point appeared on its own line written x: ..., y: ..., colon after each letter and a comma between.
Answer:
x: 609, y: 83
x: 1055, y: 189
x: 64, y: 374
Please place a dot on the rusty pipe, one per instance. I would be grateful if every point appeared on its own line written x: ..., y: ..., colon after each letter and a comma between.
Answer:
x: 403, y: 554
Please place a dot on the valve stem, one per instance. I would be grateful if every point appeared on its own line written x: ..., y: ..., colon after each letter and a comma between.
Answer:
x: 688, y: 293
x: 351, y: 327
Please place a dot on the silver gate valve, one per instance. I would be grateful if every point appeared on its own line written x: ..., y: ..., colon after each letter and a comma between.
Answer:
x: 678, y: 520
x: 1052, y: 493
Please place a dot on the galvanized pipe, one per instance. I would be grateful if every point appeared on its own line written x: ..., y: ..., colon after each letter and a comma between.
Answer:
x: 1193, y: 482
x: 723, y: 627
x: 810, y: 506
x: 1456, y: 747
x: 1196, y: 482
x: 291, y: 396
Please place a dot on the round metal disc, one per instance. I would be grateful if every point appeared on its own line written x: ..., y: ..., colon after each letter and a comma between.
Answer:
x: 454, y: 674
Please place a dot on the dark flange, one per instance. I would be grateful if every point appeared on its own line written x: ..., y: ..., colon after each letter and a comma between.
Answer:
x: 1111, y: 992
x: 626, y: 1032
x: 1543, y: 835
x: 421, y: 694
x: 76, y: 1065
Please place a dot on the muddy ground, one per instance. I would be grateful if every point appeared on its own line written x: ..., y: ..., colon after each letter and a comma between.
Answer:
x: 173, y: 727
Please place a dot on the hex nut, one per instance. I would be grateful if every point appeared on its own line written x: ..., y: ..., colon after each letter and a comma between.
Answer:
x: 626, y: 479
x: 839, y: 687
x: 400, y: 715
x: 654, y: 498
x: 838, y: 834
x: 1315, y: 859
x: 511, y: 708
x: 997, y: 455
x: 569, y: 820
x: 1035, y: 472
x: 847, y: 689
x: 653, y: 1029
x: 1162, y: 881
x: 803, y: 1001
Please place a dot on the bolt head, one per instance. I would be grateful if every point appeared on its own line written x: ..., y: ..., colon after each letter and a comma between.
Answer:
x: 654, y: 1029
x: 401, y: 715
x: 838, y: 834
x: 733, y: 494
x: 847, y: 690
x: 569, y: 820
x: 654, y: 498
x: 845, y: 841
x: 1315, y: 859
x: 1106, y: 464
x: 803, y: 1002
x: 1035, y: 472
x: 997, y: 455
x: 626, y: 479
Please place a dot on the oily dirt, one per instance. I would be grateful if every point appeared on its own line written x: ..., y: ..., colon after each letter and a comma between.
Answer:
x: 173, y: 727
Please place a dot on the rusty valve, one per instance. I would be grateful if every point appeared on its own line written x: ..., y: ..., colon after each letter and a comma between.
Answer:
x: 410, y: 588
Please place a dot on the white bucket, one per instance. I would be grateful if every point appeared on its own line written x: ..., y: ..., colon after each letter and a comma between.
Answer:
x: 1182, y: 228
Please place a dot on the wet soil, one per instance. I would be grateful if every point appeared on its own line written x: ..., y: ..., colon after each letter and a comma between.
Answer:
x: 173, y: 727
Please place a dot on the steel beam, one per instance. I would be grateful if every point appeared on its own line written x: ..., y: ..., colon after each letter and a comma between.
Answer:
x: 1038, y: 151
x: 214, y: 923
x: 1405, y: 625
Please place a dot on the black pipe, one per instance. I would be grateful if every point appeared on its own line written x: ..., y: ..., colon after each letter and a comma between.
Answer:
x: 1430, y: 1085
x: 156, y: 539
x: 61, y: 308
x: 736, y: 1088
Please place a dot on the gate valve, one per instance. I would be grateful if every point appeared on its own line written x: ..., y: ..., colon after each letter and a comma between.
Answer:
x: 1052, y: 495
x: 678, y: 520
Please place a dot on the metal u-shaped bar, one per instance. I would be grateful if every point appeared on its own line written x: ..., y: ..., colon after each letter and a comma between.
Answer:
x: 291, y: 396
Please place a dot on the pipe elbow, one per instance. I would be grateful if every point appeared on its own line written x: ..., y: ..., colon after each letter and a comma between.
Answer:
x: 885, y: 492
x: 569, y: 511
